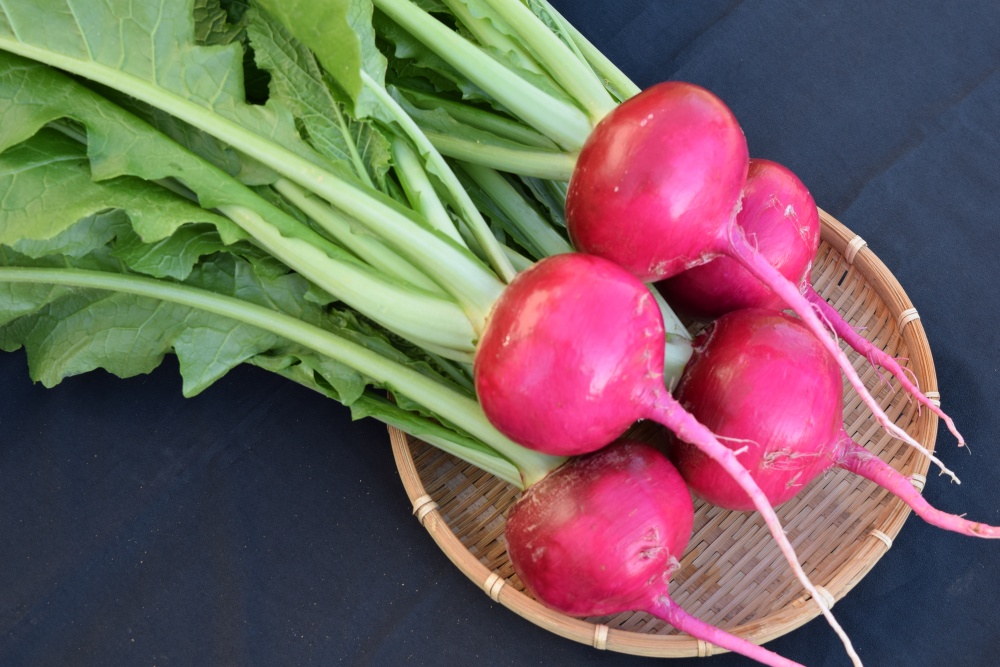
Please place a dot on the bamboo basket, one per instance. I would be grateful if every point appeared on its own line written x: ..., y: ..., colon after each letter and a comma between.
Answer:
x: 732, y: 574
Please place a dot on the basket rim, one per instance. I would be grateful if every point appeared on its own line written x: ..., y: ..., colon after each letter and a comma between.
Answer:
x: 856, y: 253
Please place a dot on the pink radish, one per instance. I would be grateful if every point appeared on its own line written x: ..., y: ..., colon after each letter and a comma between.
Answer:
x: 794, y: 436
x: 656, y: 189
x: 572, y: 355
x: 780, y: 216
x: 577, y: 552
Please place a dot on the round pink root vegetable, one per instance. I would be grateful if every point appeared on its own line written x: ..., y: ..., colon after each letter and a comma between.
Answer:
x: 577, y: 552
x: 791, y: 437
x: 779, y: 215
x: 656, y: 189
x: 572, y: 355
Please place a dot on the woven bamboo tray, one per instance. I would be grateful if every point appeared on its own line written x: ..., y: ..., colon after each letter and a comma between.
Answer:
x: 732, y: 574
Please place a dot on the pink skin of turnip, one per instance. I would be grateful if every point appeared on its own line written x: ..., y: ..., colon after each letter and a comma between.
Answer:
x: 779, y: 214
x: 577, y: 552
x: 794, y: 436
x: 670, y: 161
x: 572, y: 356
x: 656, y: 189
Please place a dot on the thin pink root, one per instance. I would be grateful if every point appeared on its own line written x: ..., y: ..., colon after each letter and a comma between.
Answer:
x: 861, y: 462
x: 877, y: 356
x: 665, y: 410
x: 668, y: 610
x: 740, y: 250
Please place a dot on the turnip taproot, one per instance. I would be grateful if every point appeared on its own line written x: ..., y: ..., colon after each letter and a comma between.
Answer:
x: 576, y: 550
x: 657, y: 189
x: 793, y: 437
x: 572, y: 355
x: 781, y: 217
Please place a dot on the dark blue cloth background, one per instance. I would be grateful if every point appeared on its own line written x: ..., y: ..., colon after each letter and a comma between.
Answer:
x: 257, y: 525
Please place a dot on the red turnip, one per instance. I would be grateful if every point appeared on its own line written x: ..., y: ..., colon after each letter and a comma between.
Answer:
x: 656, y: 189
x: 796, y: 434
x: 572, y: 355
x: 577, y: 552
x: 780, y: 215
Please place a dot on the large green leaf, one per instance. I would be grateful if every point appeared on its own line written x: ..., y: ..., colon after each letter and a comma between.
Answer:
x: 49, y: 190
x: 298, y: 80
x: 341, y: 35
x: 68, y: 332
x: 146, y: 48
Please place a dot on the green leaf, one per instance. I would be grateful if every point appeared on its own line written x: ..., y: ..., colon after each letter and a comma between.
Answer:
x: 331, y: 378
x: 49, y: 190
x: 172, y: 257
x: 340, y: 33
x: 325, y: 28
x: 410, y: 59
x: 152, y: 55
x: 128, y: 143
x: 298, y: 81
x: 87, y: 235
x: 211, y: 24
x: 68, y: 332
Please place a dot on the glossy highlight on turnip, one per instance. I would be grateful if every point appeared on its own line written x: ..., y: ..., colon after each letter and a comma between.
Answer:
x: 658, y: 180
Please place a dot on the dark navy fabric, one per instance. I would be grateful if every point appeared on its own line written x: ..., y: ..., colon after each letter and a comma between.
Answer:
x: 257, y: 525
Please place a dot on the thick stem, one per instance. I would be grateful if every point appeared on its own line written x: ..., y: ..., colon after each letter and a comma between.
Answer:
x: 862, y: 462
x: 601, y: 64
x: 563, y: 123
x: 468, y: 211
x: 740, y: 249
x: 365, y: 246
x: 419, y: 189
x: 480, y: 119
x: 876, y: 356
x: 462, y: 411
x: 664, y: 409
x: 574, y: 76
x: 665, y: 608
x: 487, y: 34
x: 538, y: 232
x: 550, y: 165
x: 422, y: 317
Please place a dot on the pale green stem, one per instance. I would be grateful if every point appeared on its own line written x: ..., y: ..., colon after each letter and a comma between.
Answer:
x: 574, y: 76
x: 549, y: 165
x: 678, y: 347
x: 488, y: 35
x: 538, y: 232
x: 565, y: 124
x: 520, y: 262
x: 466, y: 208
x: 601, y: 64
x: 480, y: 119
x: 425, y: 319
x: 419, y: 189
x: 367, y: 247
